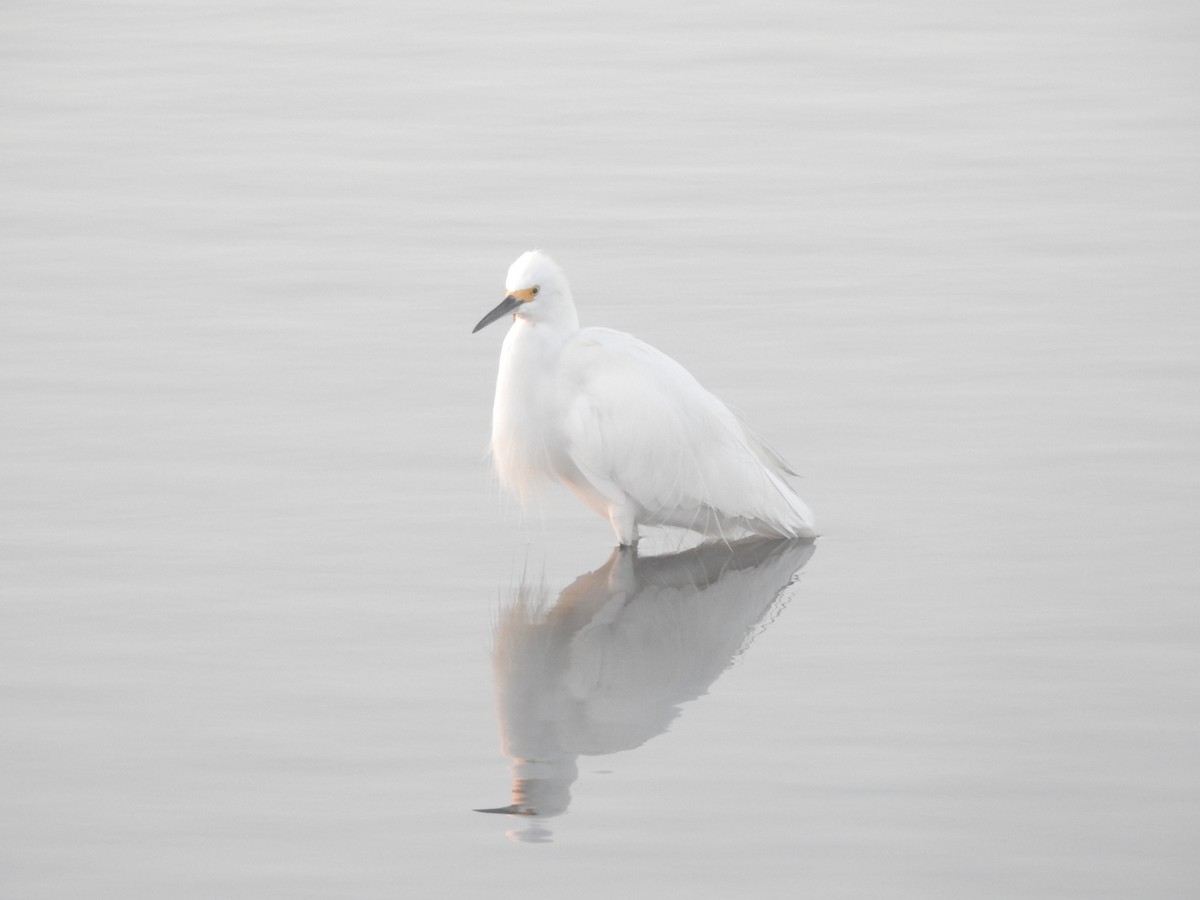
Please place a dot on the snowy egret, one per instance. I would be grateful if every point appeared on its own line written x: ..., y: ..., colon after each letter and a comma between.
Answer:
x: 624, y: 426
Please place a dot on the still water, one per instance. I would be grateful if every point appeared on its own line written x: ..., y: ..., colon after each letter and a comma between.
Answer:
x: 268, y: 628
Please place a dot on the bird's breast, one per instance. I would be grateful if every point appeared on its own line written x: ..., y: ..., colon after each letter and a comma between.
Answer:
x: 527, y: 442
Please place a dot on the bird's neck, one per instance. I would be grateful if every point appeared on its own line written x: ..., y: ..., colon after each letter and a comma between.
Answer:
x: 532, y: 346
x: 547, y: 330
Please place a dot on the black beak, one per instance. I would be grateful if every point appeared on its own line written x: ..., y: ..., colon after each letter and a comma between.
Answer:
x: 507, y: 305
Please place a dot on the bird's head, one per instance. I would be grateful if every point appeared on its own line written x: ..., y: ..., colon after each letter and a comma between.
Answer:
x: 536, y: 289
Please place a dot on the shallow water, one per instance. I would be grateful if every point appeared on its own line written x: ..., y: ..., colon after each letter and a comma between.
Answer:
x: 256, y: 574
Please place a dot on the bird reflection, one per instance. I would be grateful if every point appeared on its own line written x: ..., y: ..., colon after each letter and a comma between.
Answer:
x: 607, y: 666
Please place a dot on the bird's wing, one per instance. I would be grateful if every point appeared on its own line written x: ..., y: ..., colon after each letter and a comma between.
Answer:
x: 639, y: 424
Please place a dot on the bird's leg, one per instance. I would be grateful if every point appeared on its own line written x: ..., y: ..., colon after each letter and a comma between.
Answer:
x: 624, y: 523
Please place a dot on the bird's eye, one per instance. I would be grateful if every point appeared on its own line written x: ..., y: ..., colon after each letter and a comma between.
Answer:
x: 534, y: 290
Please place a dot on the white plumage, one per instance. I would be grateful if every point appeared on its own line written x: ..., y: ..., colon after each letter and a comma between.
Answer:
x: 623, y: 425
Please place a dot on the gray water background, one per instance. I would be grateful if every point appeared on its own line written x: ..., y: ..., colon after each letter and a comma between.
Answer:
x: 943, y: 255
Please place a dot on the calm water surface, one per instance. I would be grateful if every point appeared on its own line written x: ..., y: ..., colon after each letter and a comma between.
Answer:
x: 269, y: 628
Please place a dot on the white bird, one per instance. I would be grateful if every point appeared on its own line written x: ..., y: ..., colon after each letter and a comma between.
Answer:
x: 623, y: 425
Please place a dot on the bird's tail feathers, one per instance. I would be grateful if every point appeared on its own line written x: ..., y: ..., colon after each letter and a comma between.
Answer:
x: 768, y: 455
